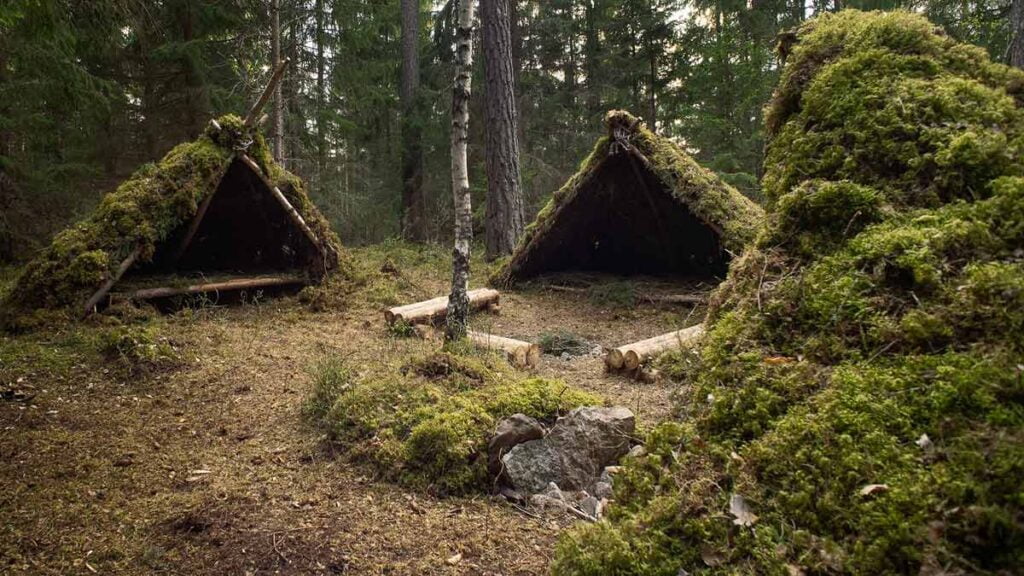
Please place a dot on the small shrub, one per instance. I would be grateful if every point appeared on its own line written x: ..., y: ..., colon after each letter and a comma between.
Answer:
x: 330, y: 376
x: 138, y: 349
x: 427, y: 424
x: 401, y: 329
x: 561, y: 341
x: 620, y: 294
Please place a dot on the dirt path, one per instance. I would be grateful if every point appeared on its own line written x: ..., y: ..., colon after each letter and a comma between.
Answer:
x: 212, y: 469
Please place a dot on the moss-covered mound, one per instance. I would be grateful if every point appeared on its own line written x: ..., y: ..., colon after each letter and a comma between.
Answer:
x: 858, y: 404
x: 638, y: 203
x: 427, y: 425
x: 143, y: 212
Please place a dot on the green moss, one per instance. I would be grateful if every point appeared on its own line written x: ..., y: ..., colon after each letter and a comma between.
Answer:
x: 138, y: 349
x: 882, y: 303
x: 427, y: 425
x: 143, y: 212
x: 887, y: 102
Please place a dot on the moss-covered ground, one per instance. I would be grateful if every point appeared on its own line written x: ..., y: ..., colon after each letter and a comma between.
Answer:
x: 860, y: 387
x: 288, y: 435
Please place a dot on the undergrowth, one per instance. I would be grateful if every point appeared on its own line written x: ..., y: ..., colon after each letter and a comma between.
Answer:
x: 619, y: 294
x: 563, y: 342
x: 860, y: 386
x: 426, y: 424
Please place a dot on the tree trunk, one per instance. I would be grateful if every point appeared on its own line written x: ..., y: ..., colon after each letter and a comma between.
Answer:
x: 652, y: 96
x: 413, y: 204
x: 504, y: 192
x: 458, y: 302
x: 321, y: 139
x: 1016, y: 48
x: 592, y: 59
x: 275, y: 59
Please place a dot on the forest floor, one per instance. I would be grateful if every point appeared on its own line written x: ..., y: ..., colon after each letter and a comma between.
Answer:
x: 210, y: 467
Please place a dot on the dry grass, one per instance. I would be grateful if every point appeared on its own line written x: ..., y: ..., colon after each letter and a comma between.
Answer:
x: 210, y: 468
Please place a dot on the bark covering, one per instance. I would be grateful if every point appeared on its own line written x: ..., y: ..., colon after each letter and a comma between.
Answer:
x: 505, y: 220
x: 413, y: 223
x: 458, y: 302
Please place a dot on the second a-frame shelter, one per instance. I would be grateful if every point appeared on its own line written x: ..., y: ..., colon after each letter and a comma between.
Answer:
x: 638, y: 205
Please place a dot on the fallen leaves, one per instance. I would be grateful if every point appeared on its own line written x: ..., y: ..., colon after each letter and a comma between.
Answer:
x: 738, y: 507
x: 872, y: 489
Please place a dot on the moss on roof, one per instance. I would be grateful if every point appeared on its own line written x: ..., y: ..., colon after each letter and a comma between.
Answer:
x: 721, y: 206
x: 143, y: 211
x: 859, y: 389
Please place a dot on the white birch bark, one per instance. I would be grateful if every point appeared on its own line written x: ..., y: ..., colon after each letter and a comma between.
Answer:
x: 458, y: 302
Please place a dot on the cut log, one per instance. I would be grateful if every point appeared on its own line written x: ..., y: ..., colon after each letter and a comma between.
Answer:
x: 630, y: 356
x: 519, y: 353
x: 225, y: 286
x: 90, y: 305
x: 436, y: 309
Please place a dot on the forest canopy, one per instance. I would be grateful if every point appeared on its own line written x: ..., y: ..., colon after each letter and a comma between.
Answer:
x: 89, y: 91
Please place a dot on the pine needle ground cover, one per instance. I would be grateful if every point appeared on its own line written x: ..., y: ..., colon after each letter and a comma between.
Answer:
x: 858, y: 404
x: 143, y: 212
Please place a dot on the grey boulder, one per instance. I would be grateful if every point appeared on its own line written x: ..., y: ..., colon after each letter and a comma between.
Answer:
x: 574, y: 452
x: 511, y: 431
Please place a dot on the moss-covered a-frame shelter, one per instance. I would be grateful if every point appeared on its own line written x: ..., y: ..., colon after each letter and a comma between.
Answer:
x: 215, y: 214
x: 638, y: 205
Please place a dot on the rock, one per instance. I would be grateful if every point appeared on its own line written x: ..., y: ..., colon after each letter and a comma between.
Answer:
x: 565, y: 357
x: 543, y: 502
x: 592, y: 507
x: 602, y: 489
x: 511, y: 431
x: 574, y: 453
x: 554, y: 492
x: 637, y: 451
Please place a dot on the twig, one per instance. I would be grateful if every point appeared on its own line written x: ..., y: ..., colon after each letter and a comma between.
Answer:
x: 760, y: 282
x: 525, y: 511
x: 276, y: 549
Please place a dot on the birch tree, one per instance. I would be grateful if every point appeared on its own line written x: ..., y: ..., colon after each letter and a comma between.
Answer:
x: 458, y: 301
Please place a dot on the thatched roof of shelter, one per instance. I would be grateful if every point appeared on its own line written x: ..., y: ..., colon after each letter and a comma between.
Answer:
x: 638, y: 204
x: 153, y: 215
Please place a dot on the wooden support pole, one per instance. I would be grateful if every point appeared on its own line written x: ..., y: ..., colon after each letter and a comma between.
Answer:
x: 293, y: 214
x: 630, y: 356
x: 90, y: 305
x: 437, y: 308
x: 254, y: 112
x: 224, y: 286
x: 193, y: 227
x: 519, y: 353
